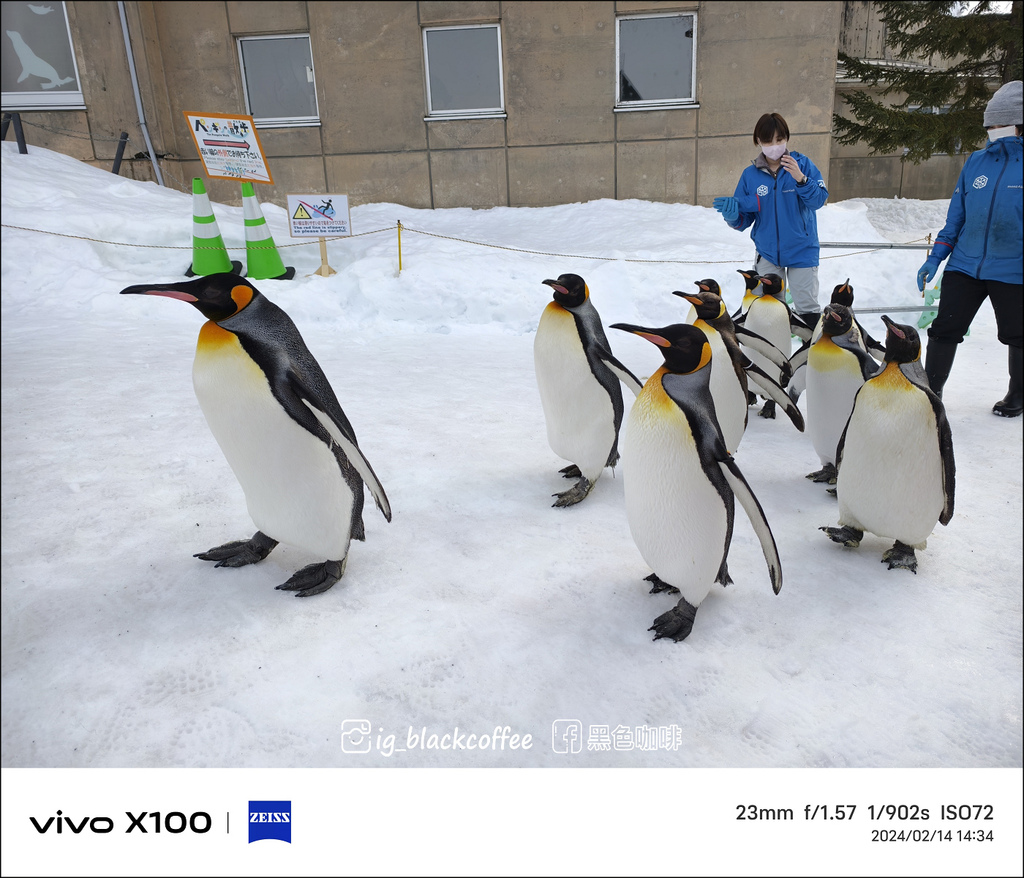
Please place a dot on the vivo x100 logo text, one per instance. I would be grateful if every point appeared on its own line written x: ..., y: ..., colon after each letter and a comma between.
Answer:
x: 270, y: 820
x: 145, y: 822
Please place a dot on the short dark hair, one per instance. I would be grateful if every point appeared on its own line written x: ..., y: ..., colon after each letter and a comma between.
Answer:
x: 768, y: 126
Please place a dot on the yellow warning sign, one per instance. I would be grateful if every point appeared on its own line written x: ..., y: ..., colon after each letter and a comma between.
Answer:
x: 301, y: 213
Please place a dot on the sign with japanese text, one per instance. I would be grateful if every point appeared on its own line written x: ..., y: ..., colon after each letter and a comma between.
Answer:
x: 229, y: 147
x: 319, y: 216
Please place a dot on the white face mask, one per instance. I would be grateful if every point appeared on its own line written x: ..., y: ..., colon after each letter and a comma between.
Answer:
x: 1007, y: 131
x: 775, y: 151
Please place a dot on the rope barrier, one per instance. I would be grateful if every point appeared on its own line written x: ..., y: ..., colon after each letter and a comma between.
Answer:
x: 183, y: 247
x: 872, y: 248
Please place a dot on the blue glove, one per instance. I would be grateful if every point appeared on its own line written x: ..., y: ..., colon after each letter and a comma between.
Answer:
x: 729, y: 208
x: 926, y: 272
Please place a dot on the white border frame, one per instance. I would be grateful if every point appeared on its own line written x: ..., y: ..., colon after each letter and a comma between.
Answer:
x: 667, y: 103
x: 18, y: 101
x: 497, y: 112
x: 279, y: 121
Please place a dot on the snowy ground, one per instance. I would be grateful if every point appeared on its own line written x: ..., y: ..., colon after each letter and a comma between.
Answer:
x: 479, y: 606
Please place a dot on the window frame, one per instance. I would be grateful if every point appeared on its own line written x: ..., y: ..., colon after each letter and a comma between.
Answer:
x: 691, y: 102
x: 19, y: 101
x: 279, y: 121
x: 497, y: 112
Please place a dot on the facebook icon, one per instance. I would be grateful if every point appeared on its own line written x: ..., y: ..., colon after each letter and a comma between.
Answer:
x: 567, y: 736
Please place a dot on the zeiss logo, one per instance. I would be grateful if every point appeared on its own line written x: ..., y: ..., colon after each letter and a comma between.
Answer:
x: 270, y: 820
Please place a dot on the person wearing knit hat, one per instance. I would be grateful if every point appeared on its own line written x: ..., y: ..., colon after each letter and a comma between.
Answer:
x: 984, y: 240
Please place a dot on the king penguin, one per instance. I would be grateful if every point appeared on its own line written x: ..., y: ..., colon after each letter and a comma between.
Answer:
x: 896, y: 474
x: 730, y: 367
x: 681, y: 483
x: 751, y: 284
x: 837, y: 367
x: 578, y: 379
x: 281, y: 428
x: 842, y: 294
x: 769, y: 316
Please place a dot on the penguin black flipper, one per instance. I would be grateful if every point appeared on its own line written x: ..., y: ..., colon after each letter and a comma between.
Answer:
x: 798, y: 379
x: 692, y: 394
x: 916, y: 375
x: 619, y: 370
x: 741, y: 490
x: 297, y: 382
x: 764, y: 347
x: 800, y: 329
x: 599, y: 352
x: 775, y: 391
x: 869, y: 366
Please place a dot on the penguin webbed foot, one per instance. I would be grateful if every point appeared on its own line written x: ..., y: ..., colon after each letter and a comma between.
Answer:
x: 240, y: 553
x: 901, y: 555
x: 571, y: 472
x: 826, y: 474
x: 576, y: 493
x: 314, y: 578
x: 768, y: 410
x: 845, y: 535
x: 658, y: 585
x: 677, y: 623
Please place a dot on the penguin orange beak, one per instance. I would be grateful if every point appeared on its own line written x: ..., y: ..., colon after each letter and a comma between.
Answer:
x: 644, y: 332
x: 693, y: 300
x: 893, y: 327
x: 144, y: 290
x: 556, y: 286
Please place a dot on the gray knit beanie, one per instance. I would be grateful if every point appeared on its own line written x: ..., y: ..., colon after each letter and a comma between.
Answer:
x: 1006, y: 106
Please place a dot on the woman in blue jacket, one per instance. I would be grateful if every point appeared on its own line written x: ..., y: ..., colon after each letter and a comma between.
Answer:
x: 984, y: 240
x: 778, y: 194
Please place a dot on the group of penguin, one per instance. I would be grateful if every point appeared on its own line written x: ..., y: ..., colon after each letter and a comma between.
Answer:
x: 881, y: 434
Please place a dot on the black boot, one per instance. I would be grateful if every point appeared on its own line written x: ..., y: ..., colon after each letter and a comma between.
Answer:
x: 938, y: 362
x: 1011, y: 405
x: 811, y: 318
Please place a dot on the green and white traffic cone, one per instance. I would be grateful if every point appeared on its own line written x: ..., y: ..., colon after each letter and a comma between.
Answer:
x: 209, y: 255
x: 262, y: 258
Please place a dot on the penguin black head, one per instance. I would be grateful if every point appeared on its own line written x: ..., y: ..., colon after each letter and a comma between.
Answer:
x: 217, y: 296
x: 902, y: 343
x: 570, y: 290
x: 836, y: 319
x: 750, y: 278
x: 773, y: 285
x: 843, y: 294
x: 684, y: 347
x: 707, y: 303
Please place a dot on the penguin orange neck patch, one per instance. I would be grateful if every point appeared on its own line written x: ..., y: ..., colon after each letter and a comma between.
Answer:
x: 213, y: 336
x: 241, y: 295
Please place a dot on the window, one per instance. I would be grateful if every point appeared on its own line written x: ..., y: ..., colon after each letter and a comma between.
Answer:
x: 463, y: 67
x: 655, y: 61
x: 277, y: 74
x: 38, y: 61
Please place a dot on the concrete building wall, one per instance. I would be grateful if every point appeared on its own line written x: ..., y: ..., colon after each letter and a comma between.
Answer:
x: 561, y: 140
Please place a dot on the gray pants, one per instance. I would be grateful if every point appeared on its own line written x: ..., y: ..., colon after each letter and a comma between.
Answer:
x: 801, y: 283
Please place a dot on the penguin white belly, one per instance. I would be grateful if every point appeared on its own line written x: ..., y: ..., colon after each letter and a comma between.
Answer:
x: 833, y: 378
x: 577, y: 409
x: 769, y: 318
x: 294, y: 489
x: 890, y: 481
x: 676, y: 516
x: 726, y: 390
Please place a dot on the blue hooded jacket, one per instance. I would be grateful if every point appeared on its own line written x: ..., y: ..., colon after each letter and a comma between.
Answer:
x: 785, y: 226
x: 984, y: 228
